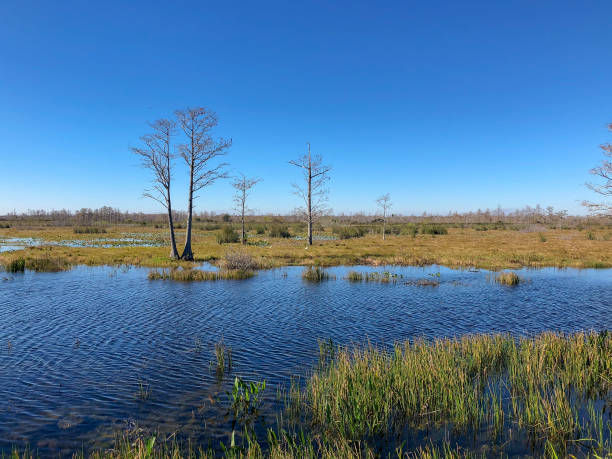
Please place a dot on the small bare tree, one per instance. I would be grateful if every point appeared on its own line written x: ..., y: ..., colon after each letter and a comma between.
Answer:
x: 243, y: 187
x: 157, y: 156
x: 384, y: 202
x: 603, y: 171
x: 199, y: 152
x: 314, y: 193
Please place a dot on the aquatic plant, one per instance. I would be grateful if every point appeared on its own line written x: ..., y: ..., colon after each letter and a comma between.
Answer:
x: 354, y: 276
x: 245, y: 399
x: 223, y: 354
x: 316, y: 274
x: 508, y: 278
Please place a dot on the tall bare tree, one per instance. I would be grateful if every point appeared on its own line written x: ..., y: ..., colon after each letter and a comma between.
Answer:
x: 603, y: 171
x: 384, y: 202
x: 156, y: 155
x: 199, y: 153
x: 243, y: 186
x: 314, y: 192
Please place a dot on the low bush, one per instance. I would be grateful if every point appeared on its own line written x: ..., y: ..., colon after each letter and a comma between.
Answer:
x: 433, y: 229
x: 279, y: 231
x: 227, y: 235
x: 348, y: 232
x: 239, y: 260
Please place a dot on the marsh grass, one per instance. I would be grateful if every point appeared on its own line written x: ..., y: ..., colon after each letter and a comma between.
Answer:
x: 16, y: 265
x: 223, y: 355
x: 196, y: 275
x: 508, y: 278
x: 460, y: 248
x: 227, y: 235
x: 483, y: 382
x: 316, y: 274
x: 381, y: 277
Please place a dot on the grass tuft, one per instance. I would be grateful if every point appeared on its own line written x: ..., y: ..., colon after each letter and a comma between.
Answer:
x: 196, y: 275
x: 316, y: 274
x: 508, y: 278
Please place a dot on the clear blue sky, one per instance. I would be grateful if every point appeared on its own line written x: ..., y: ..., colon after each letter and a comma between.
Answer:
x: 446, y: 105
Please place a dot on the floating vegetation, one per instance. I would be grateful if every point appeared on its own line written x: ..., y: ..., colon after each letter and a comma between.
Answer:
x: 424, y: 283
x: 508, y: 278
x: 316, y: 274
x: 196, y: 275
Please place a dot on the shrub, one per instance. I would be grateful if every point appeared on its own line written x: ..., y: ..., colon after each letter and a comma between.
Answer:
x: 240, y: 260
x: 433, y: 228
x: 16, y: 265
x: 410, y: 230
x: 279, y: 231
x: 347, y: 232
x: 260, y: 229
x: 227, y: 236
x: 227, y: 218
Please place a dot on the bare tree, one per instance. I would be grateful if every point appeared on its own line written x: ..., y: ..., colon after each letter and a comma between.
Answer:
x: 384, y: 202
x: 315, y: 192
x: 199, y: 152
x: 243, y: 187
x: 603, y: 171
x: 157, y: 156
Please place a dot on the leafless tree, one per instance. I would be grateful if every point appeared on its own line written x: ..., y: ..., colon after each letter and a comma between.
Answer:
x: 243, y: 187
x: 156, y: 155
x: 603, y: 171
x: 384, y: 202
x: 314, y: 193
x: 199, y: 152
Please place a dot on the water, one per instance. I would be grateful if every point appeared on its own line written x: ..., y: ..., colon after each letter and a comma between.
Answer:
x: 8, y: 244
x: 75, y: 345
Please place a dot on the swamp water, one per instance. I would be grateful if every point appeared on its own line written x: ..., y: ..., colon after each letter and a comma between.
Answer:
x: 91, y: 352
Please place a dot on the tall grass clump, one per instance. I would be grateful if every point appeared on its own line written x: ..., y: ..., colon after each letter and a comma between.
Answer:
x: 89, y: 230
x: 316, y: 274
x: 16, y: 265
x: 280, y: 231
x: 227, y: 235
x: 46, y: 263
x: 508, y: 278
x: 354, y: 276
x: 196, y: 275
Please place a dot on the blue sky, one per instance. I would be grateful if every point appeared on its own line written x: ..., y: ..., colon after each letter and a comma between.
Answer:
x: 446, y: 105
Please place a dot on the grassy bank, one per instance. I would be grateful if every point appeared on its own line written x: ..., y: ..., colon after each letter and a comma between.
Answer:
x: 460, y: 247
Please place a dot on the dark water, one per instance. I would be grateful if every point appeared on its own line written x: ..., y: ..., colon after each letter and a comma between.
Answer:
x: 74, y: 346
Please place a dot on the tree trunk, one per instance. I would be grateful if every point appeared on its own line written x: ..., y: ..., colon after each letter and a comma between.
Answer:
x: 243, y: 233
x: 187, y: 252
x: 173, y: 251
x: 384, y: 225
x: 309, y: 198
